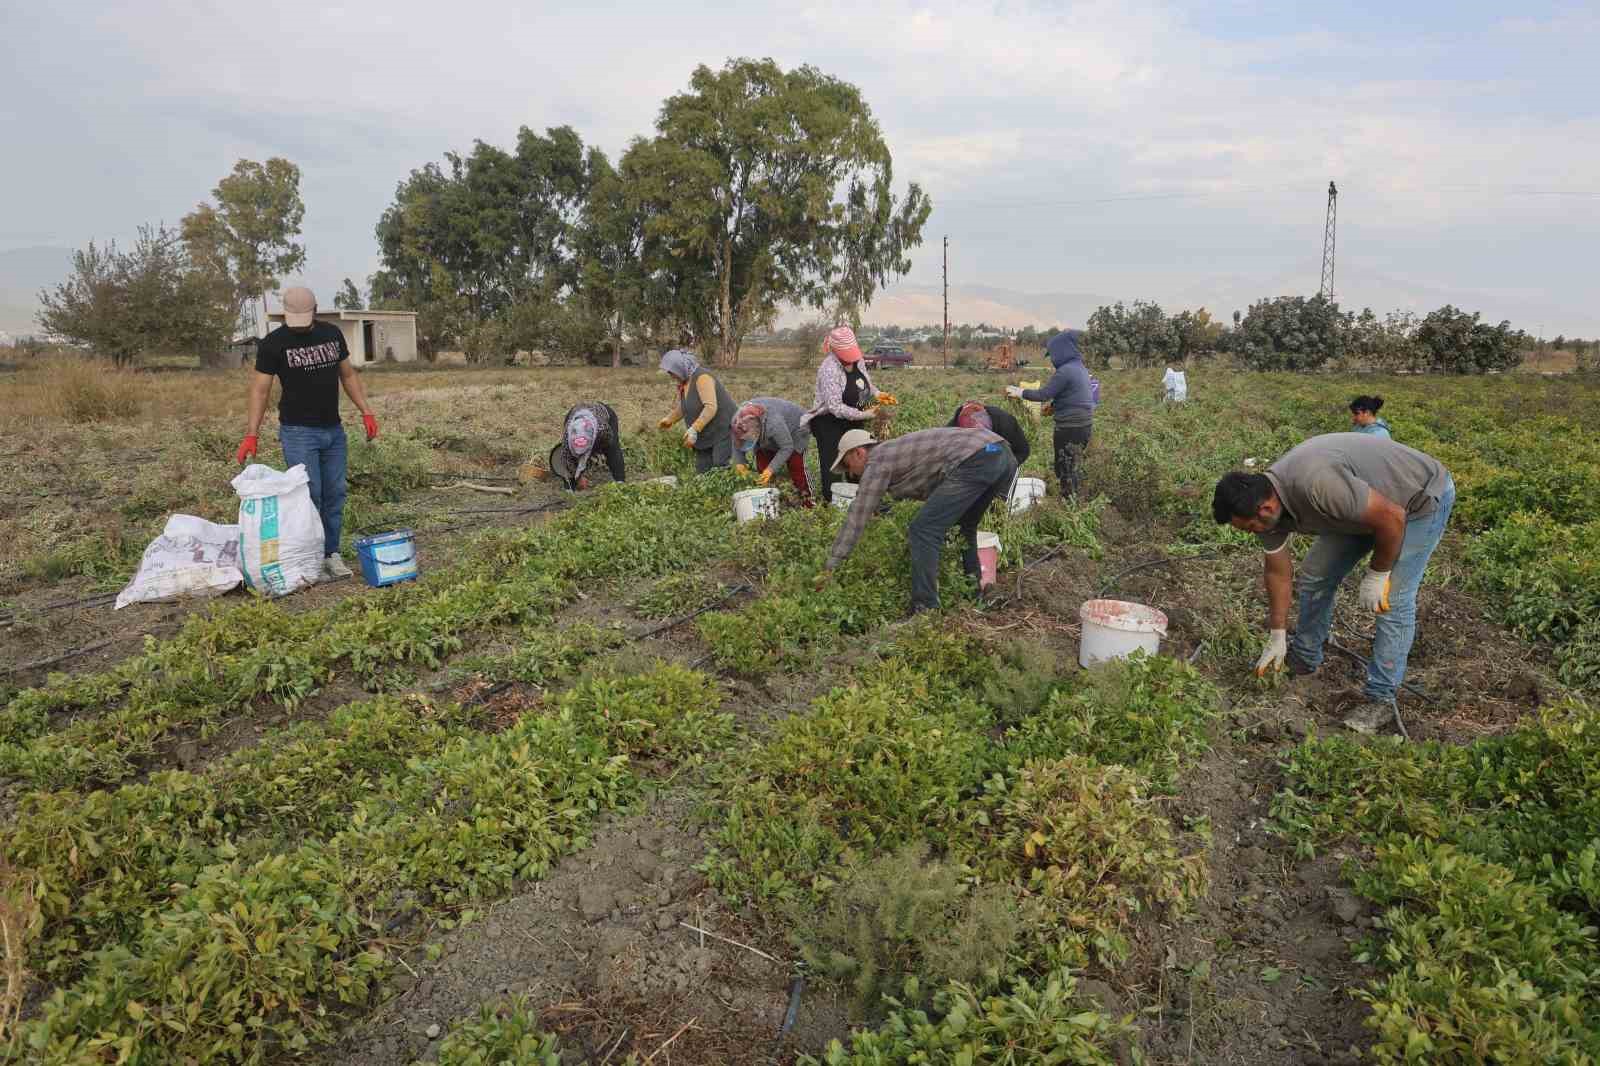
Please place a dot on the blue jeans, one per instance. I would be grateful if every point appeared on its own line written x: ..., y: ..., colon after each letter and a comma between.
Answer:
x: 1331, y: 558
x: 325, y: 454
x: 962, y: 498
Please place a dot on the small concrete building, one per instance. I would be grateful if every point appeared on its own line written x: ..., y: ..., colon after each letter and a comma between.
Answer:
x: 373, y: 336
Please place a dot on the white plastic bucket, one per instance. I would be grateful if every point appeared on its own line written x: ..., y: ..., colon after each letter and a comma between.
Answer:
x: 844, y: 494
x: 1115, y: 629
x: 1025, y: 493
x: 755, y: 503
x: 988, y: 557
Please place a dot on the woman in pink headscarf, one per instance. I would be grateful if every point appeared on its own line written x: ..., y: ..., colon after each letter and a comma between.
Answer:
x: 845, y: 398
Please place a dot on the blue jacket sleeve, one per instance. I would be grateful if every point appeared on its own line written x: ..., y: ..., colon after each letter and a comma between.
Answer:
x: 1067, y: 387
x: 1050, y: 390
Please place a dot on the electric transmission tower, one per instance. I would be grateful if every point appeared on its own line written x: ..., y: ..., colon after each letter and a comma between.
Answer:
x: 1326, y: 288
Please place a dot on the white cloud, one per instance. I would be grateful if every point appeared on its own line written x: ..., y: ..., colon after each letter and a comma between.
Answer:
x: 992, y: 107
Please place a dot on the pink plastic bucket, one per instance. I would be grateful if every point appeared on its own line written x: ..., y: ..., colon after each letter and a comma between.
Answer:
x: 988, y: 557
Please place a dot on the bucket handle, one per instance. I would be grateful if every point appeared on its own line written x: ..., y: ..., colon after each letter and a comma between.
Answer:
x: 393, y: 562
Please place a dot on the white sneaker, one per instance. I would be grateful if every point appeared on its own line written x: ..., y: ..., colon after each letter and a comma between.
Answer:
x: 333, y: 569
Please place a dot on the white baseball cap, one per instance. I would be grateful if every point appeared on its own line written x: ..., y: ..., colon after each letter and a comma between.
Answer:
x: 853, y: 439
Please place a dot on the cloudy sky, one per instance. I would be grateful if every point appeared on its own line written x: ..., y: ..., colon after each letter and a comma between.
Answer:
x: 1076, y: 153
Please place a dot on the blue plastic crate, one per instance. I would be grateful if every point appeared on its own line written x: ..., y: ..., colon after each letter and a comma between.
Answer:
x: 388, y: 558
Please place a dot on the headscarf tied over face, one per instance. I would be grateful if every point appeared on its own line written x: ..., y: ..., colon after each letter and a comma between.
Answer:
x: 582, y: 429
x: 973, y: 415
x: 841, y: 341
x: 680, y: 364
x: 747, y: 423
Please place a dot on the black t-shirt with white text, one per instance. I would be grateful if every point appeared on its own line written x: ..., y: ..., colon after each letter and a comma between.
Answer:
x: 307, y: 363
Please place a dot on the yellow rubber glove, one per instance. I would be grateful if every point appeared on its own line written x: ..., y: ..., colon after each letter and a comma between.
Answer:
x: 741, y: 469
x: 885, y: 399
x: 766, y: 478
x: 665, y: 423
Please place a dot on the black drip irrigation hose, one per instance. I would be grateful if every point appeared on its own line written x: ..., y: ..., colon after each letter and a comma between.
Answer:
x: 737, y: 590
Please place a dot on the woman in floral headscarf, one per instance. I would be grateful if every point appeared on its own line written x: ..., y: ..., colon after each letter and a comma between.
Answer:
x: 773, y: 429
x: 845, y: 398
x: 589, y: 426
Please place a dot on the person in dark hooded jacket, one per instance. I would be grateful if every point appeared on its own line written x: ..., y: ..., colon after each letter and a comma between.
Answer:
x: 1069, y: 392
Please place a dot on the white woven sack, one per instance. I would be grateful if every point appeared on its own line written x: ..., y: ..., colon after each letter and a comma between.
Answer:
x: 280, y: 532
x: 192, y: 559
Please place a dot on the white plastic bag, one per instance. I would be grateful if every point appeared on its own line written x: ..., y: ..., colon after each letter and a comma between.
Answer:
x: 280, y: 532
x: 1177, y: 386
x: 192, y: 559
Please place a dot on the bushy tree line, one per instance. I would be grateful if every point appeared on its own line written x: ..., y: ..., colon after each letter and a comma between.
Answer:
x: 1306, y: 333
x: 186, y: 290
x: 760, y: 187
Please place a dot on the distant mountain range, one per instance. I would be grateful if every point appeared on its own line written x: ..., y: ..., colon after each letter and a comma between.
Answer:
x: 23, y: 272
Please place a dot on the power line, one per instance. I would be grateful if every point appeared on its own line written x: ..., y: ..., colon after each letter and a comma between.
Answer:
x: 1510, y: 191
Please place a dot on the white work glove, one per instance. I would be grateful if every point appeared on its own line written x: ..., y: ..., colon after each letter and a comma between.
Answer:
x: 1274, y: 653
x: 1014, y: 391
x: 1375, y: 591
x: 690, y: 437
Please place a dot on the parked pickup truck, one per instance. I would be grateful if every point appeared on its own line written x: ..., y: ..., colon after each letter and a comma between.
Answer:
x: 886, y: 355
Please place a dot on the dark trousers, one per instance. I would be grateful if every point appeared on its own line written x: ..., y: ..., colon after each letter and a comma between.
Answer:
x: 962, y: 498
x: 826, y: 430
x: 796, y: 464
x: 716, y: 454
x: 613, y: 453
x: 1070, y: 442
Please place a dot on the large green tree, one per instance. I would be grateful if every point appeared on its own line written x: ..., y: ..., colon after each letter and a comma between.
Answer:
x: 1461, y: 343
x: 768, y: 187
x: 348, y: 298
x: 1291, y: 333
x: 617, y: 284
x: 151, y: 298
x: 249, y: 232
x: 490, y: 231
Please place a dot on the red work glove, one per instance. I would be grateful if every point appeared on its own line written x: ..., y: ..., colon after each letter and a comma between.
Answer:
x: 371, y: 424
x: 247, y: 449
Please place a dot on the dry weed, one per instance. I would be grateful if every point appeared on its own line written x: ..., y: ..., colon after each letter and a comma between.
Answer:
x: 19, y: 917
x: 73, y: 390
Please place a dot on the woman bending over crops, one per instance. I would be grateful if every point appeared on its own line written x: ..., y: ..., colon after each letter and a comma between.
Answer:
x: 589, y: 427
x: 774, y: 430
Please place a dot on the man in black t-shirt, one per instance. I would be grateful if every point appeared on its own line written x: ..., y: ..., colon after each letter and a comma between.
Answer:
x: 311, y: 360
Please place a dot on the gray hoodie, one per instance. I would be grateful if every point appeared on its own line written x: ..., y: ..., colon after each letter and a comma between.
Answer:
x: 1068, y: 388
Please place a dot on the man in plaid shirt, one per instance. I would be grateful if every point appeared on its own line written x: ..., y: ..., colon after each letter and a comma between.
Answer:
x: 958, y: 471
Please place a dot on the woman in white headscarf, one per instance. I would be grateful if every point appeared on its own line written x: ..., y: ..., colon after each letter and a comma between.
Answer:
x: 589, y: 427
x: 704, y: 405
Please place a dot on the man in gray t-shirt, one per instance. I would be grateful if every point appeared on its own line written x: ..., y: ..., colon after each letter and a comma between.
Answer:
x: 1358, y: 494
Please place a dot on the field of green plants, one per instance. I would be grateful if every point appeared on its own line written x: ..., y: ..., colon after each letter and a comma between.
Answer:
x: 971, y: 850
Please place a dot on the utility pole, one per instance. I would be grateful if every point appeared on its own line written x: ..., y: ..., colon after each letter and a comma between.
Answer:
x: 947, y: 301
x: 1326, y: 288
